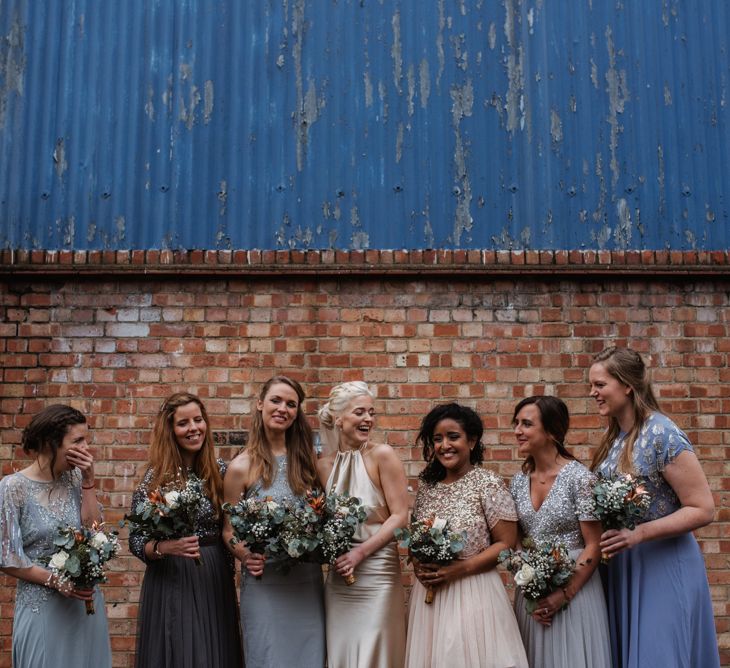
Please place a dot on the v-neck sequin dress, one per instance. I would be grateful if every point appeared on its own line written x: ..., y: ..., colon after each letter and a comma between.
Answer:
x: 578, y: 636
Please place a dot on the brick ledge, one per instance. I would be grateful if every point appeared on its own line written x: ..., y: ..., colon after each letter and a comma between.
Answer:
x: 363, y: 262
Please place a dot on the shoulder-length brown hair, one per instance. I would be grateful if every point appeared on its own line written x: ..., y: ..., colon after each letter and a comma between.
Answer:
x: 627, y: 367
x: 165, y: 459
x: 300, y: 458
x: 555, y: 419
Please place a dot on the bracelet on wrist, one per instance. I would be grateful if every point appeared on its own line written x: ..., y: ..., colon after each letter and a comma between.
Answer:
x: 156, y: 550
x: 50, y: 581
x: 91, y: 486
x: 568, y: 598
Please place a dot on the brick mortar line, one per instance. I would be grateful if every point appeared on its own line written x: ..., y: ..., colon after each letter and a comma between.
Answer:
x: 372, y: 262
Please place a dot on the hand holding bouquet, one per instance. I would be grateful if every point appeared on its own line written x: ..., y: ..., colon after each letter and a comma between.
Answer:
x: 538, y: 569
x: 258, y: 523
x: 171, y: 514
x: 431, y: 542
x: 302, y: 524
x: 619, y: 503
x: 79, y: 560
x: 343, y: 514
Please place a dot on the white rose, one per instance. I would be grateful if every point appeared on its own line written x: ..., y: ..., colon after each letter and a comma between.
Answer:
x: 58, y: 560
x: 172, y: 499
x: 99, y: 540
x: 439, y: 524
x: 524, y: 575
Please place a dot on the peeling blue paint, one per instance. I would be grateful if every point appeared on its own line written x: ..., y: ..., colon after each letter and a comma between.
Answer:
x: 364, y: 124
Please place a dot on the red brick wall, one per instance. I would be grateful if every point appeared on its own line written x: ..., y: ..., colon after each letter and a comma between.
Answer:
x: 116, y: 345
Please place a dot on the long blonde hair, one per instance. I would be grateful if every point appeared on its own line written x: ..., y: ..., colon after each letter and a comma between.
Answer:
x: 300, y: 458
x: 627, y: 367
x: 165, y: 459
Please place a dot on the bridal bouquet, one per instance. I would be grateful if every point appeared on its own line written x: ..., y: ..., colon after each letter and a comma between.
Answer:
x: 258, y: 522
x: 431, y: 542
x: 342, y: 515
x: 619, y: 502
x: 170, y: 514
x: 302, y: 524
x: 538, y: 569
x: 80, y: 557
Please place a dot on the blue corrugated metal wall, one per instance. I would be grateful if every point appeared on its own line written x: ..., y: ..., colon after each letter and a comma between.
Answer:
x: 364, y: 123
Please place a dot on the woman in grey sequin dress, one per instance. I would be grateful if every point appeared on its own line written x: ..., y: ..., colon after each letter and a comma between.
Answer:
x: 282, y: 614
x: 554, y: 501
x: 50, y: 624
x: 188, y: 615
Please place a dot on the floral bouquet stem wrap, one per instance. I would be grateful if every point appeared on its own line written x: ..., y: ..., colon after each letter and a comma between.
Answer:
x: 620, y: 502
x: 80, y: 557
x: 430, y: 541
x: 258, y: 522
x: 170, y: 514
x: 343, y: 514
x: 538, y: 569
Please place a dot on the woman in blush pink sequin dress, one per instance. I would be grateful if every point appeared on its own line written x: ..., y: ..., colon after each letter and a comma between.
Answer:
x: 470, y: 623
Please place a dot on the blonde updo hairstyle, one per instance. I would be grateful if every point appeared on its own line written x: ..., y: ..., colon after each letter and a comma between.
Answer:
x: 340, y: 398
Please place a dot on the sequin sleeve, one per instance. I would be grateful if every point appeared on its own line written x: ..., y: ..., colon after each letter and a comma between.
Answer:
x: 137, y: 540
x: 583, y: 483
x: 12, y: 498
x: 497, y: 502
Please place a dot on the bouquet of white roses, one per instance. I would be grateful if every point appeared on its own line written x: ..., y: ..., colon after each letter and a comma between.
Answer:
x: 343, y: 514
x: 538, y: 569
x: 169, y: 514
x: 80, y: 557
x: 430, y: 541
x: 619, y: 502
x: 257, y: 521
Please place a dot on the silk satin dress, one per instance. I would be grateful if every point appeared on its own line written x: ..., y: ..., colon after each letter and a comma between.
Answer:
x: 365, y: 620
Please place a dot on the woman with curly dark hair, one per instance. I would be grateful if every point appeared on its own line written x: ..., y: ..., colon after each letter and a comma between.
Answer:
x: 470, y: 622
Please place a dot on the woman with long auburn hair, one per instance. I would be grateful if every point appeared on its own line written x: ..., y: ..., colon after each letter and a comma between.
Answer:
x: 659, y: 607
x: 282, y: 614
x: 188, y: 615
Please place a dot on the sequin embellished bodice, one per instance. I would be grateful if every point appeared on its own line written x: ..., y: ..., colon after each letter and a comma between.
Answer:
x: 474, y: 503
x: 207, y: 523
x: 30, y: 513
x: 568, y: 502
x: 658, y: 443
x: 279, y: 490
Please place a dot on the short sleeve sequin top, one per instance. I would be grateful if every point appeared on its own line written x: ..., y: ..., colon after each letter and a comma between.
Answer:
x: 474, y: 503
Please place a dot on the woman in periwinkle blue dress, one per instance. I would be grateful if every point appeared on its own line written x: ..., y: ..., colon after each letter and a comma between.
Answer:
x: 282, y: 614
x: 50, y: 625
x: 553, y: 497
x: 660, y: 612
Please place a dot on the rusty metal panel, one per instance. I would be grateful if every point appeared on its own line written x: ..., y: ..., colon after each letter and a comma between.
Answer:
x: 364, y: 124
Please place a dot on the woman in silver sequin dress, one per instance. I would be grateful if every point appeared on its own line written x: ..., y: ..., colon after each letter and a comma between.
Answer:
x: 554, y: 502
x: 188, y: 615
x: 282, y: 614
x: 50, y: 625
x: 470, y: 623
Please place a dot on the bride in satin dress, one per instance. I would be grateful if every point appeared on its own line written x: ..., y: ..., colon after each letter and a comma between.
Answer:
x: 365, y: 621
